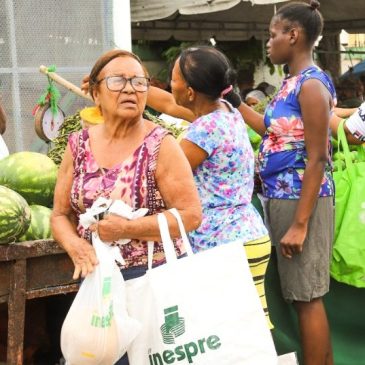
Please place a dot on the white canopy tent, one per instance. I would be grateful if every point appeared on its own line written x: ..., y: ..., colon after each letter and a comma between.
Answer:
x: 229, y: 20
x: 142, y: 10
x: 200, y: 19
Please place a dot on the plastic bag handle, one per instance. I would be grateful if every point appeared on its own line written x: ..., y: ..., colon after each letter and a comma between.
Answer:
x: 184, y: 236
x: 167, y: 242
x: 345, y: 148
x: 150, y: 247
x: 168, y: 245
x: 361, y: 153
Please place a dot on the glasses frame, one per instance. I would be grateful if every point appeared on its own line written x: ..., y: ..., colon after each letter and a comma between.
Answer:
x: 126, y: 80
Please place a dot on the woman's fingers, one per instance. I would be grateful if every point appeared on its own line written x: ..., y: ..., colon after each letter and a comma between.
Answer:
x: 84, y: 269
x: 85, y: 84
x: 77, y: 272
x: 84, y: 260
x: 286, y: 252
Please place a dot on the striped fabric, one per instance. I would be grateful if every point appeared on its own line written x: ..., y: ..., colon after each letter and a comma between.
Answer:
x: 258, y: 255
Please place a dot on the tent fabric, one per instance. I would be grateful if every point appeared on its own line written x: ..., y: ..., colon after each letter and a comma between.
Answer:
x: 357, y: 70
x: 345, y: 310
x: 229, y: 20
x: 142, y: 10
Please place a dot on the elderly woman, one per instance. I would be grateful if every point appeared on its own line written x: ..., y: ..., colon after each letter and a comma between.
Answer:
x: 127, y: 158
x: 254, y: 97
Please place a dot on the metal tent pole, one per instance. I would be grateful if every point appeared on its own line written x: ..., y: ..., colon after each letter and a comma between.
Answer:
x: 17, y: 116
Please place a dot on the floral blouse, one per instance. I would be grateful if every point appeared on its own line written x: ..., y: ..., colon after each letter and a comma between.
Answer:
x: 224, y: 181
x: 282, y: 155
x: 132, y: 181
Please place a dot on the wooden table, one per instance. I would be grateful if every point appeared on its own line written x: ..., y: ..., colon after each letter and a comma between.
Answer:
x: 29, y: 270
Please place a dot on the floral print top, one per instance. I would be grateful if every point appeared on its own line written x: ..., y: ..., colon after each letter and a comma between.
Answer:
x: 224, y: 181
x: 282, y: 155
x: 132, y: 181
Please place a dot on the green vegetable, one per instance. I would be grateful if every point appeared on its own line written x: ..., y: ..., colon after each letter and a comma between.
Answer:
x: 33, y: 175
x: 40, y: 225
x: 175, y: 131
x: 71, y: 124
x: 15, y: 215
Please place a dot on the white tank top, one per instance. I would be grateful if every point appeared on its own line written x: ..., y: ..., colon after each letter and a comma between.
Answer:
x: 356, y: 123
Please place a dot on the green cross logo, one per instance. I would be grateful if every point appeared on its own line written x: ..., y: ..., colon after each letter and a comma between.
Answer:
x: 174, y: 325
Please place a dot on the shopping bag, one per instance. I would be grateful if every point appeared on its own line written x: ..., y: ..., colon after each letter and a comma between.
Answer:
x: 348, y: 259
x: 201, y: 309
x: 288, y: 359
x: 98, y: 329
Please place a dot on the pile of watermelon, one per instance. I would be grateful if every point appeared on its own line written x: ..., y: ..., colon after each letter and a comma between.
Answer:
x: 27, y: 182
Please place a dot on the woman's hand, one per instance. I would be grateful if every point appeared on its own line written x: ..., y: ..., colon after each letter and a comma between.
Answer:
x: 85, y: 84
x: 292, y: 242
x: 84, y: 258
x: 110, y: 228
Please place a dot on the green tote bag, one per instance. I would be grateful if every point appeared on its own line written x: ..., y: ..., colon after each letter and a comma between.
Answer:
x: 348, y: 259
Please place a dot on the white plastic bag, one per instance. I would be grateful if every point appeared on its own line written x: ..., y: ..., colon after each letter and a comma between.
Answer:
x: 97, y: 329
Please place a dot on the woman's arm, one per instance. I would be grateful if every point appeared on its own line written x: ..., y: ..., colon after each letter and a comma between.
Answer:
x: 344, y: 112
x: 164, y: 102
x: 176, y: 185
x: 193, y: 153
x: 252, y: 118
x: 335, y: 122
x: 315, y: 105
x: 63, y: 222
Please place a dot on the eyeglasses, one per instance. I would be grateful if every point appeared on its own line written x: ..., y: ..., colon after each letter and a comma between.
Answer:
x: 118, y: 83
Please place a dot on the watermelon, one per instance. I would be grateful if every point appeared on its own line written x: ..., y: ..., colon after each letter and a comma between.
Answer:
x: 31, y: 174
x: 40, y: 225
x: 15, y: 215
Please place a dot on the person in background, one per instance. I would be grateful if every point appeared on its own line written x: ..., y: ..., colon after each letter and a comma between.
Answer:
x: 127, y: 158
x: 354, y: 124
x: 362, y: 80
x: 295, y: 169
x: 266, y: 88
x: 350, y: 92
x: 3, y: 148
x: 254, y: 97
x: 221, y: 157
x: 245, y: 80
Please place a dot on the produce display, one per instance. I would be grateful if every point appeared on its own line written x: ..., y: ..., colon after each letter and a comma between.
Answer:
x: 40, y: 225
x: 33, y: 175
x: 71, y: 124
x: 175, y: 130
x: 15, y: 215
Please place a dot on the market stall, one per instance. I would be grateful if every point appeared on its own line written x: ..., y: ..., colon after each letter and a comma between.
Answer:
x: 30, y: 178
x: 29, y: 270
